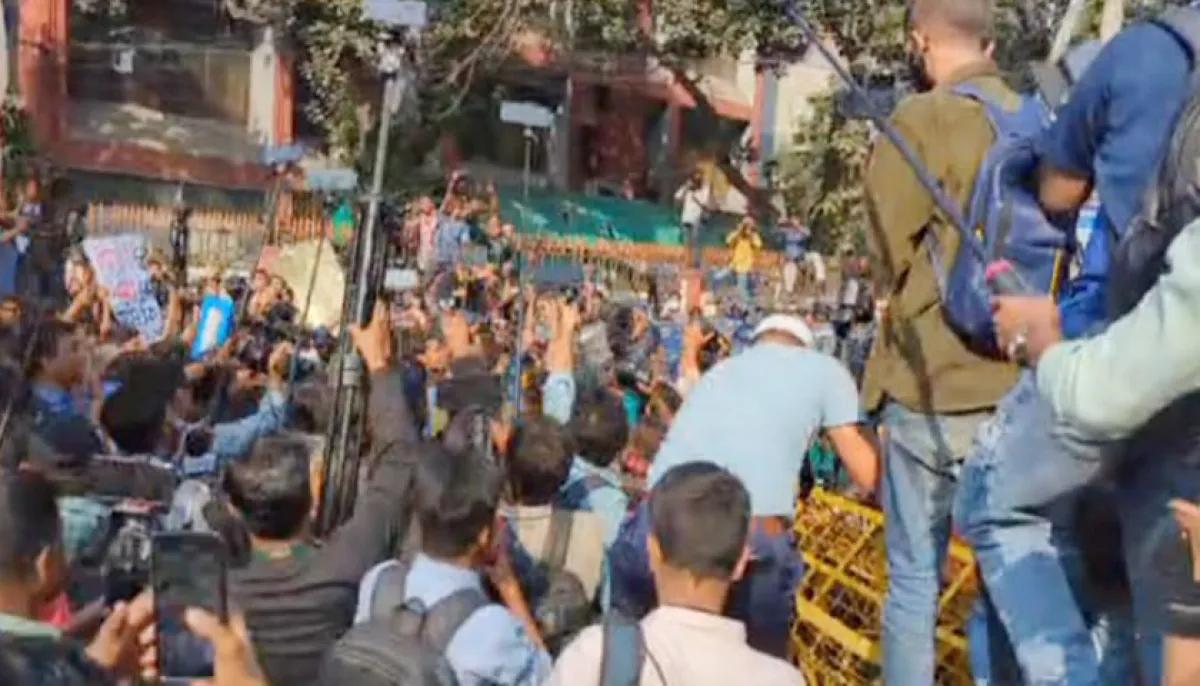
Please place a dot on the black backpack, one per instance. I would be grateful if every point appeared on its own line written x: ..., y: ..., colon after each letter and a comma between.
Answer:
x: 417, y: 636
x: 1172, y: 198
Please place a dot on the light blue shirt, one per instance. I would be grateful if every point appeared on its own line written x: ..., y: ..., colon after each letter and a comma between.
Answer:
x: 605, y: 497
x: 232, y: 440
x: 449, y: 239
x: 491, y: 647
x: 596, y: 489
x: 756, y: 414
x: 608, y: 501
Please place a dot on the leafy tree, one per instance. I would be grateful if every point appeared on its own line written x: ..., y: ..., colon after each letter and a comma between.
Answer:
x: 469, y: 46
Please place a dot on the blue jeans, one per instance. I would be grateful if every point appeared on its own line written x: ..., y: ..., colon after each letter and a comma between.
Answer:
x: 1156, y: 466
x: 921, y: 456
x: 745, y: 286
x: 764, y: 600
x: 1019, y: 506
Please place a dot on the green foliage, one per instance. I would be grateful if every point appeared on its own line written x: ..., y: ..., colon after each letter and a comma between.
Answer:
x: 821, y: 177
x: 470, y: 42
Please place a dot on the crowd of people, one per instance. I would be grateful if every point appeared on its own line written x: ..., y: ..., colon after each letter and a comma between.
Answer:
x: 572, y: 503
x: 575, y: 480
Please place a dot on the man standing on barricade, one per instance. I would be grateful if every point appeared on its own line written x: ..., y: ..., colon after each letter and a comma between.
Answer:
x: 931, y: 391
x: 1121, y: 134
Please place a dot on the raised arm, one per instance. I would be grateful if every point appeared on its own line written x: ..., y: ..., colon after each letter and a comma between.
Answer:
x: 382, y: 512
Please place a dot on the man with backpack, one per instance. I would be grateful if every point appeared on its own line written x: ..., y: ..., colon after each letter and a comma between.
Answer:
x: 932, y: 390
x: 1128, y: 132
x: 597, y: 425
x: 698, y: 547
x: 558, y: 553
x: 431, y: 614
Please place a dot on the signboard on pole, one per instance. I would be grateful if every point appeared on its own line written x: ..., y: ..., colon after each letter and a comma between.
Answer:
x: 528, y: 114
x: 118, y: 262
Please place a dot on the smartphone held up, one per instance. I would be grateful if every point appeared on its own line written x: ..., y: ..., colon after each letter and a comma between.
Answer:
x: 187, y: 570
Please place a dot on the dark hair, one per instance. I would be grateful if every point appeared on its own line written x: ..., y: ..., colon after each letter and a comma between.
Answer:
x: 700, y: 515
x: 230, y: 529
x: 29, y: 522
x: 539, y: 460
x: 270, y: 488
x: 599, y: 427
x: 47, y: 338
x: 457, y: 496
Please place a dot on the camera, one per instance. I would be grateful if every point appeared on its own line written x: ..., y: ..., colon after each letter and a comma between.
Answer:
x: 126, y: 558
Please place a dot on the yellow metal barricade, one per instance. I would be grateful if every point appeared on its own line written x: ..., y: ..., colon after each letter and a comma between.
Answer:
x: 839, y: 604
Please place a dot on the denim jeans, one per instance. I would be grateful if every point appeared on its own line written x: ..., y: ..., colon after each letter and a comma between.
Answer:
x: 1019, y: 506
x: 764, y: 600
x: 1159, y: 464
x: 921, y: 456
x: 744, y: 286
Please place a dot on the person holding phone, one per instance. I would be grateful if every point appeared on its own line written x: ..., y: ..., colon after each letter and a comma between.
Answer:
x: 298, y: 597
x: 33, y: 574
x: 744, y: 243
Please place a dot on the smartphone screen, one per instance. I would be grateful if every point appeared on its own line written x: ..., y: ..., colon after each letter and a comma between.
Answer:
x: 187, y: 570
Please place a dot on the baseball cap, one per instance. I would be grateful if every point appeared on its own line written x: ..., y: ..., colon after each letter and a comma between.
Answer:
x: 788, y: 324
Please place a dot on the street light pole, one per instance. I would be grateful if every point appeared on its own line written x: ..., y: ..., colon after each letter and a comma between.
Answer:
x: 526, y: 178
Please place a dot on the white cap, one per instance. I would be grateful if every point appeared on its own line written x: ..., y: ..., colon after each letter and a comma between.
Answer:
x: 788, y: 324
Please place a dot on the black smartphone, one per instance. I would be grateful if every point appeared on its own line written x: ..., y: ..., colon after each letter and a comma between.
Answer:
x: 187, y: 570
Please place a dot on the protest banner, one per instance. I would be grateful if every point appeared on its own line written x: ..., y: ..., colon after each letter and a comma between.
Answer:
x: 214, y: 326
x: 120, y: 269
x: 296, y: 265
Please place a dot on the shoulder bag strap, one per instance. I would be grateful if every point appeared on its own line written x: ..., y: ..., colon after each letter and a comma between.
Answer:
x: 624, y: 651
x: 444, y: 619
x: 382, y: 591
x: 558, y: 539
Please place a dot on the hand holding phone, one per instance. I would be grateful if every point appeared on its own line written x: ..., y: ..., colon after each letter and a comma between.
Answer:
x: 188, y: 570
x: 235, y: 663
x: 121, y: 645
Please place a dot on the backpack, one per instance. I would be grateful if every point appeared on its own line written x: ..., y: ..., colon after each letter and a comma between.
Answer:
x: 419, y: 634
x: 1007, y: 222
x: 563, y: 607
x: 1171, y: 201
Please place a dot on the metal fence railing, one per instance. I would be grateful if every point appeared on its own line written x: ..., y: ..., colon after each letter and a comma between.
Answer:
x: 232, y: 237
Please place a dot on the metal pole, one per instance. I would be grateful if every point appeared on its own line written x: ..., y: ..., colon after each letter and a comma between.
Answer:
x: 343, y: 466
x: 528, y: 161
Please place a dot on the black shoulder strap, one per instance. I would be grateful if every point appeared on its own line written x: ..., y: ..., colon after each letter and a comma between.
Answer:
x: 558, y: 539
x: 443, y: 620
x: 1184, y: 23
x: 624, y: 651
